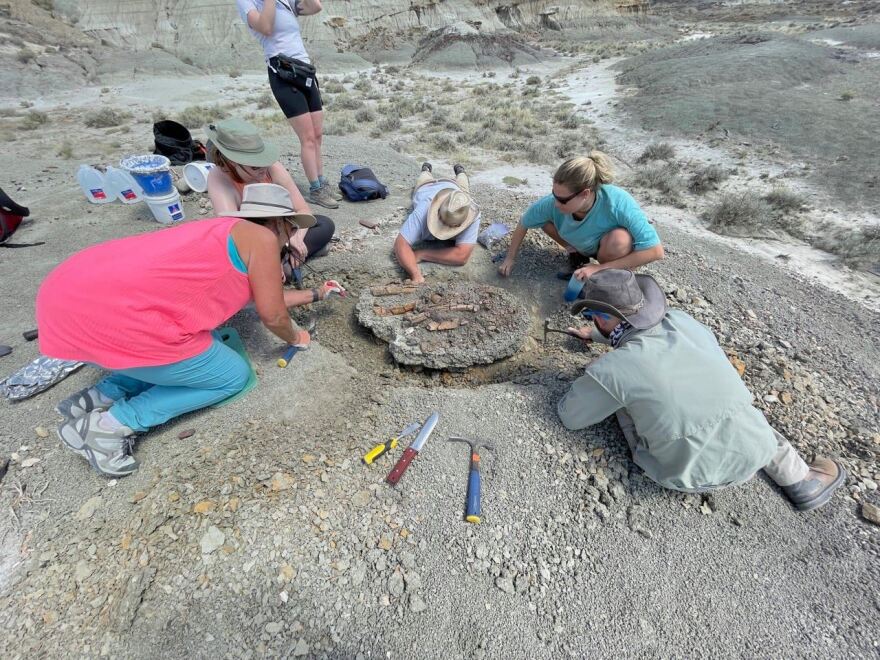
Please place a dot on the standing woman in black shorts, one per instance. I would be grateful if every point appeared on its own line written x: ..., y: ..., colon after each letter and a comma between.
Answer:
x: 292, y: 79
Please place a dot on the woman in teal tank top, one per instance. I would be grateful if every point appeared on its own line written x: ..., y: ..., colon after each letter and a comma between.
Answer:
x: 590, y: 219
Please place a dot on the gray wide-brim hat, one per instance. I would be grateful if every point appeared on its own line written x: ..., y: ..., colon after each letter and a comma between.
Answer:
x: 240, y: 142
x: 636, y: 299
x: 269, y: 200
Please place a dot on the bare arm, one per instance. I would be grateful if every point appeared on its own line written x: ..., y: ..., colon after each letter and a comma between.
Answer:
x: 259, y: 248
x: 263, y: 21
x: 629, y: 262
x: 282, y: 177
x: 407, y: 259
x: 221, y: 192
x: 451, y: 256
x: 308, y: 7
x: 516, y: 240
x: 297, y: 297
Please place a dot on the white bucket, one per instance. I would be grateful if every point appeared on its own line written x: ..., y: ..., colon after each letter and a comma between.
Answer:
x: 166, y: 209
x: 196, y: 175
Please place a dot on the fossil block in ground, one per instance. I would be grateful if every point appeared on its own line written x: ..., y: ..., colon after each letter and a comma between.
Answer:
x: 444, y: 325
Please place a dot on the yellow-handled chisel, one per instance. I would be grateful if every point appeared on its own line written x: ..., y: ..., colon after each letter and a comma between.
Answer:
x: 380, y: 449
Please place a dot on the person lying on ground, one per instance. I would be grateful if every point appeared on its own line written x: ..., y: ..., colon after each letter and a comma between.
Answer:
x: 686, y: 414
x: 590, y: 219
x: 293, y: 82
x: 145, y: 308
x: 442, y: 210
x: 242, y: 157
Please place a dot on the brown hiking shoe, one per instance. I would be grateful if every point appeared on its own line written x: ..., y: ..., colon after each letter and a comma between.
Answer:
x: 333, y: 192
x: 816, y: 488
x: 322, y: 197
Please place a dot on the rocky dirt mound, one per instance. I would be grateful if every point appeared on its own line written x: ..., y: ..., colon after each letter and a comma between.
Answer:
x: 444, y: 326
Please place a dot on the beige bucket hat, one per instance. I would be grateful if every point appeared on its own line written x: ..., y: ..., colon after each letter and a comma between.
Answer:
x: 451, y: 212
x: 269, y: 200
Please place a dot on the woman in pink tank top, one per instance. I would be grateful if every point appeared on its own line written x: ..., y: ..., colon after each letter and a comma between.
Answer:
x: 146, y: 307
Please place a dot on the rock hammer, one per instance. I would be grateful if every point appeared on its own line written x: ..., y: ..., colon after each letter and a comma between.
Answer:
x: 472, y: 509
x: 547, y: 329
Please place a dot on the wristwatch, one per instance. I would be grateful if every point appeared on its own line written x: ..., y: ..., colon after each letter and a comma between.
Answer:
x: 315, y: 296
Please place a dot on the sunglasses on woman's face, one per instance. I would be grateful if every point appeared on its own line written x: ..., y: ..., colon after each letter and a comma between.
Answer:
x: 252, y: 171
x: 591, y: 314
x: 566, y: 200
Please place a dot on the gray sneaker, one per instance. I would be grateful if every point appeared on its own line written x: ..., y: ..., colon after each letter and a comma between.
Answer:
x: 108, y: 452
x: 334, y: 192
x: 322, y: 197
x: 80, y: 403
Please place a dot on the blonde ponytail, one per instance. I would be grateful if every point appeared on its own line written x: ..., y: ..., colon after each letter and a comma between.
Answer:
x: 582, y: 172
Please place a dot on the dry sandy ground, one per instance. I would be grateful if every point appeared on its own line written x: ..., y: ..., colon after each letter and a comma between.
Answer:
x: 262, y: 534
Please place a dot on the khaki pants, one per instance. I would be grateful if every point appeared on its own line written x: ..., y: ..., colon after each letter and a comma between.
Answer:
x: 785, y: 468
x: 428, y: 177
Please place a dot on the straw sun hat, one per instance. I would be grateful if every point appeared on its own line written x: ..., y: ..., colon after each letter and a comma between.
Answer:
x: 451, y: 212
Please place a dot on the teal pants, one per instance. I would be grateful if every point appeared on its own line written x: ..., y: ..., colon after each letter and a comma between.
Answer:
x: 149, y: 396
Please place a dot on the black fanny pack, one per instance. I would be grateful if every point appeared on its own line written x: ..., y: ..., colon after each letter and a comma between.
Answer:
x: 294, y: 71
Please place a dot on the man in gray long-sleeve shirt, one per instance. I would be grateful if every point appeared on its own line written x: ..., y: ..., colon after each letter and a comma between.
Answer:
x: 687, y: 416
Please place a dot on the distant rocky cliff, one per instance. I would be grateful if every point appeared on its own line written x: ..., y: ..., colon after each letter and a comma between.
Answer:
x: 53, y: 44
x: 211, y: 32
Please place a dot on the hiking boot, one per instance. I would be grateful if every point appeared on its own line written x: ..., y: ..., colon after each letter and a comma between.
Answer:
x: 458, y: 169
x: 426, y: 167
x: 322, y: 197
x: 334, y: 192
x: 108, y: 452
x: 323, y: 252
x: 816, y: 488
x: 575, y: 261
x: 81, y: 403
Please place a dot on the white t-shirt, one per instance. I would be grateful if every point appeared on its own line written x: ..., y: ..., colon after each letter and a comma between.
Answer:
x: 286, y: 38
x: 415, y: 227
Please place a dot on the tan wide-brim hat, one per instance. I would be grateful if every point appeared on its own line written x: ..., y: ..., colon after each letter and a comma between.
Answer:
x: 269, y: 200
x: 240, y: 142
x: 636, y: 299
x: 451, y: 212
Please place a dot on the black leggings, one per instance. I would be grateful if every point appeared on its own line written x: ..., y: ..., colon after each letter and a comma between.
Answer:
x: 319, y: 235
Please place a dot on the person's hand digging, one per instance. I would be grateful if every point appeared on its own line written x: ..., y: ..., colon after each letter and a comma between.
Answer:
x: 587, y: 271
x: 584, y: 334
x: 303, y: 339
x: 332, y: 286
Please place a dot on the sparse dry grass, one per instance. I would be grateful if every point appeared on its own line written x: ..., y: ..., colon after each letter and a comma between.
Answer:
x: 657, y: 151
x: 365, y: 115
x: 341, y: 123
x: 706, y: 178
x: 785, y: 200
x: 65, y: 151
x: 347, y: 102
x: 741, y: 215
x: 34, y: 119
x: 196, y: 116
x: 332, y: 86
x: 106, y: 117
x: 859, y: 247
x: 662, y: 177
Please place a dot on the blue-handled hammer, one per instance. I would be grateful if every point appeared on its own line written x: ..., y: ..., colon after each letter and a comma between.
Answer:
x: 472, y: 509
